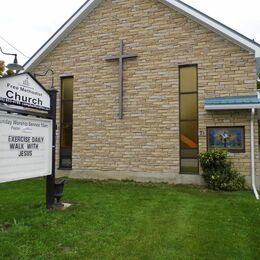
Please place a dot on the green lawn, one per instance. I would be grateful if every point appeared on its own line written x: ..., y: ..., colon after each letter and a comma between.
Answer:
x: 113, y: 220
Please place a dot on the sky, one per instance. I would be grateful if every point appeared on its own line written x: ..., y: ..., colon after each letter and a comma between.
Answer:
x: 28, y: 24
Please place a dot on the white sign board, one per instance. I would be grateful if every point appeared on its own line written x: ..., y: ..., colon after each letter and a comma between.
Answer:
x: 24, y: 90
x: 25, y: 147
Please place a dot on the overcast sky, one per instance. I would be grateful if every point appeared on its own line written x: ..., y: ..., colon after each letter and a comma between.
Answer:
x: 28, y: 24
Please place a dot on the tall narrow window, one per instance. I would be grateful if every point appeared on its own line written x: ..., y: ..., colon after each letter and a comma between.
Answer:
x: 188, y: 119
x: 66, y: 123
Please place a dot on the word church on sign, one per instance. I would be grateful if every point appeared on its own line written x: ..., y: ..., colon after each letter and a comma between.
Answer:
x: 23, y: 99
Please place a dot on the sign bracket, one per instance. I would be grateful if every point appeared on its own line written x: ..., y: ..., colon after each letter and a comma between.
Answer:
x: 9, y: 109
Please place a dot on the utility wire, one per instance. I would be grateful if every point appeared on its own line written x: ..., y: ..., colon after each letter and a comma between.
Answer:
x: 13, y: 47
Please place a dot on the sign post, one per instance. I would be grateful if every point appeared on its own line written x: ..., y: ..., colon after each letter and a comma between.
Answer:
x: 50, y: 182
x: 27, y: 137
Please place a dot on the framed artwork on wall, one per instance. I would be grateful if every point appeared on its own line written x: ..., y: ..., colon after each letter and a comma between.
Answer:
x: 229, y: 138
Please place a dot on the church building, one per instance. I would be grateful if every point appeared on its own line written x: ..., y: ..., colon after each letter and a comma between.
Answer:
x: 144, y: 86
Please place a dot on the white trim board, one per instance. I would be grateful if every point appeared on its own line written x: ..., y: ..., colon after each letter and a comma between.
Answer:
x: 177, y: 5
x: 232, y: 107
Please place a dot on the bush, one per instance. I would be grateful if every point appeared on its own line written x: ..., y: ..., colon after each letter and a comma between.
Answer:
x: 218, y: 172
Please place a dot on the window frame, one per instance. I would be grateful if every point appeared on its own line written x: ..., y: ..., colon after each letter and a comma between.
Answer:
x: 230, y: 150
x: 188, y: 120
x: 61, y: 123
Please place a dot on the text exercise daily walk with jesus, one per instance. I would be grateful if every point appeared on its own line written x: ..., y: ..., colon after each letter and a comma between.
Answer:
x: 24, y: 144
x: 25, y: 147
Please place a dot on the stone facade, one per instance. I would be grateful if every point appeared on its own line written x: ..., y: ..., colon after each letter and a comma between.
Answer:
x: 145, y: 144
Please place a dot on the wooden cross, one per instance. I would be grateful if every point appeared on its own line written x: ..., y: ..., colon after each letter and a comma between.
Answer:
x: 121, y: 57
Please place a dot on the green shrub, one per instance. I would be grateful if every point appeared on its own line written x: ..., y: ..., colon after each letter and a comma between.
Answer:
x: 218, y: 172
x: 213, y: 160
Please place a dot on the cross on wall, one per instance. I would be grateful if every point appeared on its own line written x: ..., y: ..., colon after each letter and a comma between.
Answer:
x: 120, y: 58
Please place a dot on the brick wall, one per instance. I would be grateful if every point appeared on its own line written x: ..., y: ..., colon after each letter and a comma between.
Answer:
x: 145, y: 145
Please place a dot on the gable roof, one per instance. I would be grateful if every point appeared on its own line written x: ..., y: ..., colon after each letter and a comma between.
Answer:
x: 177, y: 5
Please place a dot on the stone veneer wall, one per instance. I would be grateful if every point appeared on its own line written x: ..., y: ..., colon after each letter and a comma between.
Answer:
x: 145, y: 144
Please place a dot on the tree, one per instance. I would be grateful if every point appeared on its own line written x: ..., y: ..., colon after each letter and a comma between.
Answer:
x: 9, y: 73
x: 4, y: 73
x: 258, y: 81
x: 2, y: 68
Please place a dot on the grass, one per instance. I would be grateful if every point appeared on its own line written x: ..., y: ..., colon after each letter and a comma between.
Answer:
x: 125, y: 220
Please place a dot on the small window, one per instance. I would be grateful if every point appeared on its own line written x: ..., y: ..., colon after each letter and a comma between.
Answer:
x: 230, y: 138
x: 189, y: 104
x: 189, y: 165
x: 188, y: 79
x: 189, y: 134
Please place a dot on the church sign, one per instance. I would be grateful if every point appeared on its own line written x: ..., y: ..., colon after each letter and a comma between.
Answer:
x: 26, y: 147
x: 27, y: 137
x: 24, y: 90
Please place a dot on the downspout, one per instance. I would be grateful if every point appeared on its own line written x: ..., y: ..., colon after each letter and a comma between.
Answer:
x: 253, y: 154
